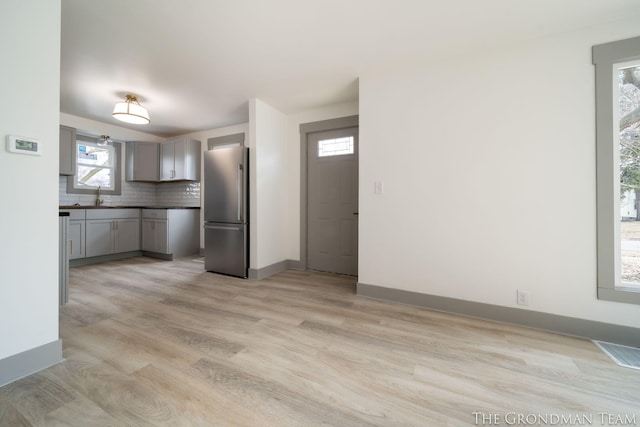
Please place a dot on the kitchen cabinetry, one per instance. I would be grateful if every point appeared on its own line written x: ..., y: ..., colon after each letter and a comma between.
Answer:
x: 180, y: 160
x: 155, y: 235
x: 76, y: 239
x: 67, y: 150
x: 170, y: 233
x: 76, y: 233
x: 110, y: 231
x: 142, y: 161
x: 63, y: 253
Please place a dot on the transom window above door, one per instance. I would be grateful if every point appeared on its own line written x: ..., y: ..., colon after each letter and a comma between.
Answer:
x: 335, y: 147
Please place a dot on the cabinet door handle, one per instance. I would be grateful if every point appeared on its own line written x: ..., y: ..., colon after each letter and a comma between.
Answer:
x: 70, y: 247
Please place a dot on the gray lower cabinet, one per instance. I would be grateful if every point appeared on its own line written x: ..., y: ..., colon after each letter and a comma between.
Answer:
x: 111, y: 231
x: 99, y: 237
x: 171, y: 233
x: 127, y: 235
x: 155, y: 236
x: 162, y: 233
x: 75, y: 233
x: 76, y: 239
x: 63, y: 268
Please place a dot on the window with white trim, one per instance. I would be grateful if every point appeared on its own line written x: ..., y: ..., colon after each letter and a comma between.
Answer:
x: 98, y: 165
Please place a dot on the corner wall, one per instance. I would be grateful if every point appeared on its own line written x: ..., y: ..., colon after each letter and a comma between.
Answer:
x: 268, y: 164
x: 488, y: 165
x: 30, y: 85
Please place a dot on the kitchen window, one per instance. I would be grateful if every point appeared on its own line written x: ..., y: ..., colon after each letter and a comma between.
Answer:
x: 98, y: 165
x: 617, y: 66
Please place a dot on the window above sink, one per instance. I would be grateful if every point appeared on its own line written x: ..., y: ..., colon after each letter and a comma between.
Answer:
x: 98, y: 166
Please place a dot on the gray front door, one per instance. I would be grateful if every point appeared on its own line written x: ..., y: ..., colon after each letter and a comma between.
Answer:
x: 332, y: 201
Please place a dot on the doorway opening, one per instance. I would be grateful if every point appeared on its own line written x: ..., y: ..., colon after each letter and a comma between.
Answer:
x: 329, y: 195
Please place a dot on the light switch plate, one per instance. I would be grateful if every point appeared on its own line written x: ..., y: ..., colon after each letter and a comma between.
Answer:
x: 378, y: 187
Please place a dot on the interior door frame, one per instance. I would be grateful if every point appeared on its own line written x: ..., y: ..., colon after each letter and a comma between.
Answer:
x: 305, y: 130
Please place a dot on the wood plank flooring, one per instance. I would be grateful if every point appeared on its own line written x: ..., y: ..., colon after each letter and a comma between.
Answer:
x: 155, y: 343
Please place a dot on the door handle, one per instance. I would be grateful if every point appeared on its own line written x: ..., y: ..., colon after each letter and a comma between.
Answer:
x: 355, y: 213
x: 239, y: 191
x: 220, y: 227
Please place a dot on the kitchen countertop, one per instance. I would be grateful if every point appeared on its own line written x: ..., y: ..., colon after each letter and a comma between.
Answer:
x: 65, y: 207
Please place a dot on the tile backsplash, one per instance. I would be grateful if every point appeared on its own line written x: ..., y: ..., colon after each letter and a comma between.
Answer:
x: 185, y: 194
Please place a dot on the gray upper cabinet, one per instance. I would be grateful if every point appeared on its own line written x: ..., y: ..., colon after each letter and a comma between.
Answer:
x: 180, y: 160
x: 142, y: 161
x: 67, y: 151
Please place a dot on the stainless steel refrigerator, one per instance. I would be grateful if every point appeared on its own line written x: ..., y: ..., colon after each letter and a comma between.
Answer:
x: 226, y: 211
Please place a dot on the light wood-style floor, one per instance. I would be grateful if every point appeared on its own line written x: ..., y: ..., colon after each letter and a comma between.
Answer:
x: 151, y: 342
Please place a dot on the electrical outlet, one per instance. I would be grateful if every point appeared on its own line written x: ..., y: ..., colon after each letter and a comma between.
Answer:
x: 523, y: 297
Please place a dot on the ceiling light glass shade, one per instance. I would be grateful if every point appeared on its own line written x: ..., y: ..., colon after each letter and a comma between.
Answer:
x: 131, y: 111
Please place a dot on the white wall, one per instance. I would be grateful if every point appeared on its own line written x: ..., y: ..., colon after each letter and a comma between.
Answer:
x: 30, y: 87
x: 269, y: 203
x: 482, y: 160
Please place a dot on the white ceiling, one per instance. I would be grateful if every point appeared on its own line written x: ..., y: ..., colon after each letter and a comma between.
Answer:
x: 195, y: 63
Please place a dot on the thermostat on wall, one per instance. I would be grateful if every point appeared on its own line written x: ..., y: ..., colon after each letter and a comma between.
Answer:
x: 23, y: 145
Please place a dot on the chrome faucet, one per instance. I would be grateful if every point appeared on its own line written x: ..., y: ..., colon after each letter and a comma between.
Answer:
x: 99, y: 201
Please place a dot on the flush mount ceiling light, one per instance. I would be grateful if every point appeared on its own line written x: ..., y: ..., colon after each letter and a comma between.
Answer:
x: 131, y: 111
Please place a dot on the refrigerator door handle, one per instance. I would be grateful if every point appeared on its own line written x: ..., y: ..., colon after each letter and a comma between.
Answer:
x: 221, y: 227
x: 239, y: 192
